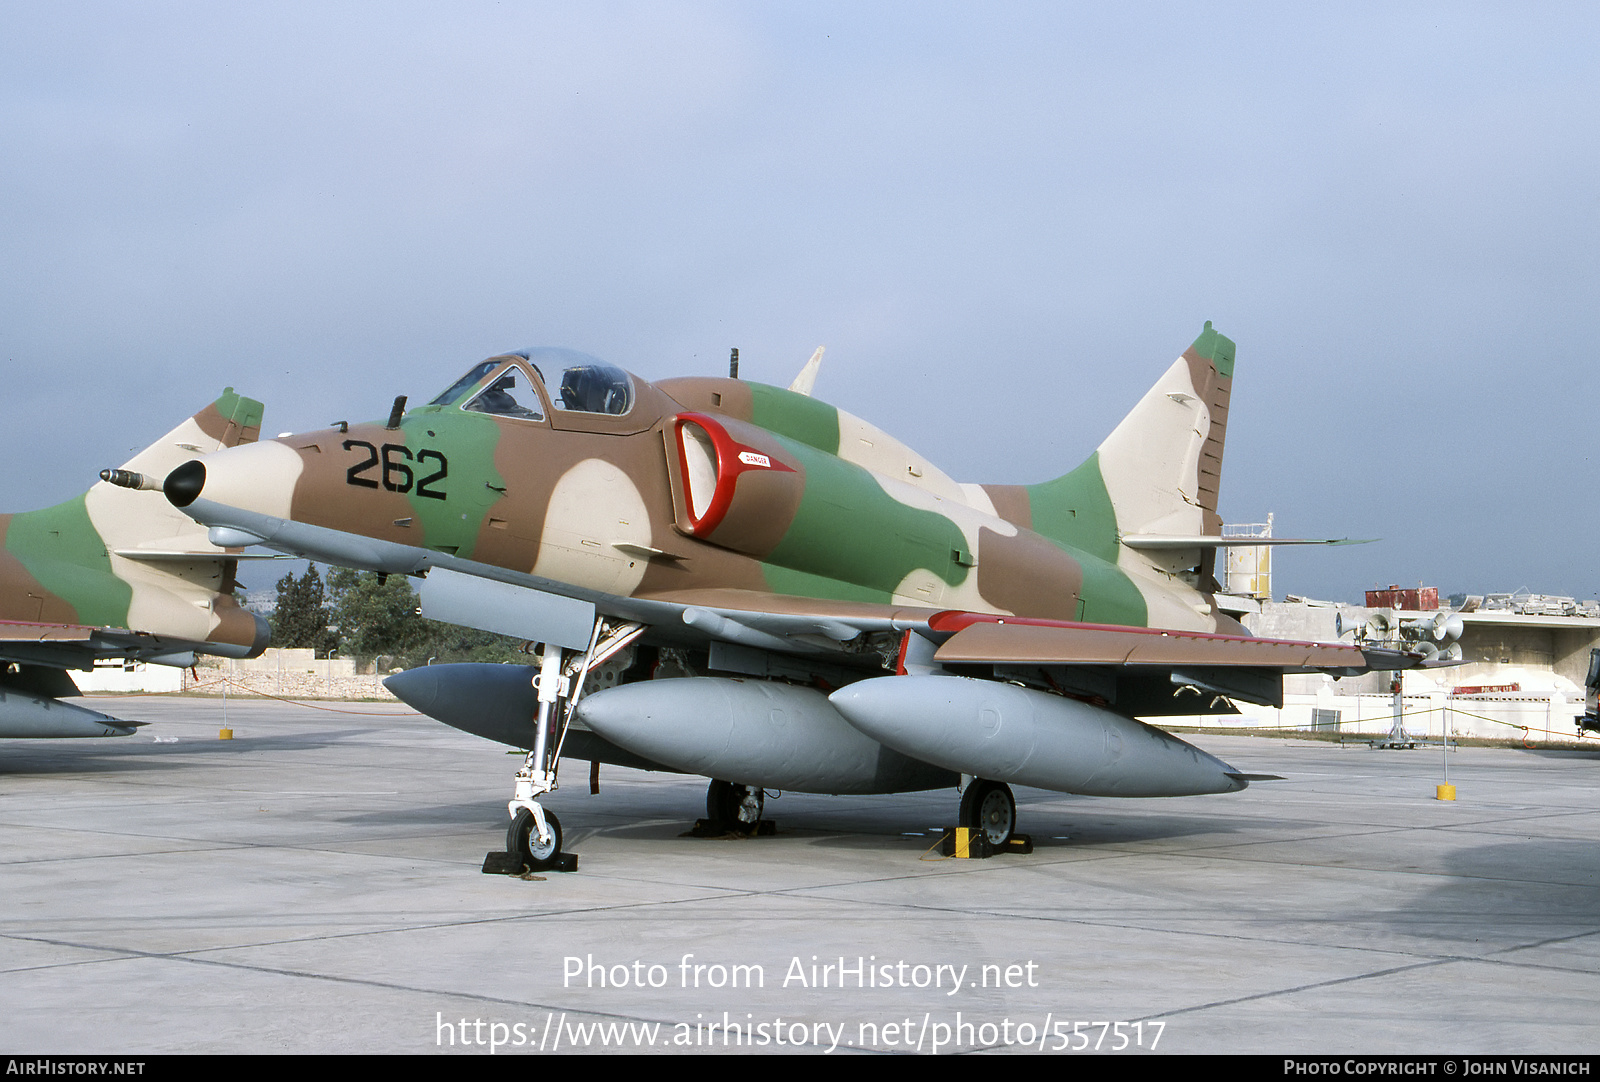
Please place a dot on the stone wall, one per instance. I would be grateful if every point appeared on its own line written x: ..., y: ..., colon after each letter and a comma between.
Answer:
x: 286, y: 674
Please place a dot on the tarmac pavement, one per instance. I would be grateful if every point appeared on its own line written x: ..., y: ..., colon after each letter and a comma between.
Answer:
x: 313, y: 885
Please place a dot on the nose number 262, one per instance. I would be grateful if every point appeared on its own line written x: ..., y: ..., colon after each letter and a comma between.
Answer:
x: 396, y: 473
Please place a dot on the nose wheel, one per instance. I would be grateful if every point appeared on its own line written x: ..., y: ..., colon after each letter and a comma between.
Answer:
x: 523, y: 841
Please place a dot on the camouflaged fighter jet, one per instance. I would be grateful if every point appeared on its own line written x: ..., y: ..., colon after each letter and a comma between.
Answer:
x: 117, y: 575
x: 851, y: 619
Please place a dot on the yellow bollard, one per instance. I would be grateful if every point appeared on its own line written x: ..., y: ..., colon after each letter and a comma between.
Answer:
x: 1446, y: 792
x: 224, y: 734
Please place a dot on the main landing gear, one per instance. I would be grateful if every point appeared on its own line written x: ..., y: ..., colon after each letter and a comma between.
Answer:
x: 989, y: 808
x: 533, y: 841
x: 988, y: 822
x: 732, y: 808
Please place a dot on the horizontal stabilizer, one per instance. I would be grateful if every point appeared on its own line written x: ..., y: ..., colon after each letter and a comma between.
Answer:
x: 1156, y: 542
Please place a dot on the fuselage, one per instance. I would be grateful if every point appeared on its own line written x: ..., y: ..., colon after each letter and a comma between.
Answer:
x: 77, y: 564
x: 708, y: 489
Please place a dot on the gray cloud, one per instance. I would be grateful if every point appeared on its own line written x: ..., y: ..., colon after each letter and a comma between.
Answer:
x: 1004, y: 221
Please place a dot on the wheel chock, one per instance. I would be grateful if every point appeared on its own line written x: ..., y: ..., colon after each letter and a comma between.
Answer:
x: 964, y: 842
x: 500, y: 862
x: 973, y: 843
x: 711, y: 828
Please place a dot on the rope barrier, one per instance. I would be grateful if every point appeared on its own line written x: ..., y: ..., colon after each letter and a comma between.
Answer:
x: 255, y: 694
x: 1340, y: 725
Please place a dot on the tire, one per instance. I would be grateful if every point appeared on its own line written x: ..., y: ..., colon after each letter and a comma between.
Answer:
x: 989, y: 807
x: 738, y: 807
x: 522, y: 839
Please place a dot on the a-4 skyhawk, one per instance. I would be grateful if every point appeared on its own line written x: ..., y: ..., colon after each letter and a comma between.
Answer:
x: 873, y: 625
x: 117, y: 575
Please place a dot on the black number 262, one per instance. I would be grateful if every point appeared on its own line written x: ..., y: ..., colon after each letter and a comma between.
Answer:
x: 397, y: 475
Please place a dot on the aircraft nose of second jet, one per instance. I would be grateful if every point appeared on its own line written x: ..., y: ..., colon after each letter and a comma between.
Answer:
x: 183, y: 484
x: 254, y: 479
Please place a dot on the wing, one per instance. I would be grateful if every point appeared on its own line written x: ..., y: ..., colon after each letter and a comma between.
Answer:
x: 1143, y: 671
x: 981, y: 638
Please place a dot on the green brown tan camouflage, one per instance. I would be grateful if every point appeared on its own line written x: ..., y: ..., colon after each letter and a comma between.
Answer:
x: 754, y: 531
x: 117, y: 574
x: 839, y: 511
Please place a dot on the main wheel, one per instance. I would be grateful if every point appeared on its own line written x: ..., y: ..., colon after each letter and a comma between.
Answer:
x: 988, y: 806
x: 522, y: 839
x: 736, y: 806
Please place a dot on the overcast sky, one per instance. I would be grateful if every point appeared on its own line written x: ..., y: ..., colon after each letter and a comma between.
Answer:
x: 1003, y: 220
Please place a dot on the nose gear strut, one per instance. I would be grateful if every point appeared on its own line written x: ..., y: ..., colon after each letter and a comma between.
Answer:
x: 533, y: 840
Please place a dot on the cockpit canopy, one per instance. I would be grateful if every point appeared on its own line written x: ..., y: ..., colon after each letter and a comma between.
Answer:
x: 510, y: 394
x: 503, y: 388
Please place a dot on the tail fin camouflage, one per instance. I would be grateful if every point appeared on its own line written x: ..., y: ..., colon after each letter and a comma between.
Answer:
x: 116, y: 573
x: 174, y: 572
x: 1157, y: 474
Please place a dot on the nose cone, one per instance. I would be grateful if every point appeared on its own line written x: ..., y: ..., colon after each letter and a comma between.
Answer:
x: 258, y: 477
x: 183, y: 484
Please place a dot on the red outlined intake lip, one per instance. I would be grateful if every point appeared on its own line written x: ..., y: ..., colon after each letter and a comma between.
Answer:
x: 732, y: 459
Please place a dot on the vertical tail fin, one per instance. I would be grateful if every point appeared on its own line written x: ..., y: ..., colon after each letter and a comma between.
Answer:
x: 143, y: 542
x: 122, y: 556
x: 1157, y: 473
x: 1163, y: 464
x: 229, y: 421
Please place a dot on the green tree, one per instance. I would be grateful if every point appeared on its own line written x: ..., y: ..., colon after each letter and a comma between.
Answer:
x: 374, y: 618
x: 301, y: 616
x: 381, y: 620
x: 447, y: 643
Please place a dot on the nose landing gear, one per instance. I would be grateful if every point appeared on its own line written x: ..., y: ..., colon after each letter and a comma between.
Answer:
x: 533, y: 840
x: 539, y: 849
